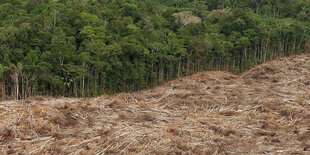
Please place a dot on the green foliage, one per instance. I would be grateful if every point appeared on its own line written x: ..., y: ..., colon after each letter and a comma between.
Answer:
x: 2, y: 70
x: 89, y: 47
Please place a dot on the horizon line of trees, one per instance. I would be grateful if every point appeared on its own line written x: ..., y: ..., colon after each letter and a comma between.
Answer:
x: 84, y: 48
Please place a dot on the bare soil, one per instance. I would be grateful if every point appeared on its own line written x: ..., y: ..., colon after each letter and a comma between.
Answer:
x: 266, y: 110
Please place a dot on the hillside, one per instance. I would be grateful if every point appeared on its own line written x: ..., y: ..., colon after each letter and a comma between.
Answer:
x: 266, y: 110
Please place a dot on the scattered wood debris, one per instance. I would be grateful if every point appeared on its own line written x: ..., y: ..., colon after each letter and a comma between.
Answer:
x: 266, y: 110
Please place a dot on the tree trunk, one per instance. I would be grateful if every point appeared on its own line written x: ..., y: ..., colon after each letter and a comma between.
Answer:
x: 187, y: 65
x: 83, y: 80
x: 2, y: 91
x: 179, y: 67
x: 294, y: 45
x: 16, y: 85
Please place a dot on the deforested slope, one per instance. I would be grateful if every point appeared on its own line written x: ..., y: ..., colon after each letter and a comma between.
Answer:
x: 266, y: 110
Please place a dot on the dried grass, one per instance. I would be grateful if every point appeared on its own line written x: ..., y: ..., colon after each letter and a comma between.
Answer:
x: 266, y: 110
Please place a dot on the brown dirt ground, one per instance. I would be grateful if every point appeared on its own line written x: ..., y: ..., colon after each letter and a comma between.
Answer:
x: 266, y: 110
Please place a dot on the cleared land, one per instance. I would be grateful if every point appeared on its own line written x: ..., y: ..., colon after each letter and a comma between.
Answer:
x: 266, y: 110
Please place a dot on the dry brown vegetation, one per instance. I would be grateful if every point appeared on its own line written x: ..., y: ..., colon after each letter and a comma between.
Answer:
x: 266, y: 110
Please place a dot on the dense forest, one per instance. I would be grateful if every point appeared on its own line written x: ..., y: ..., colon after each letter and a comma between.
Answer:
x: 86, y: 48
